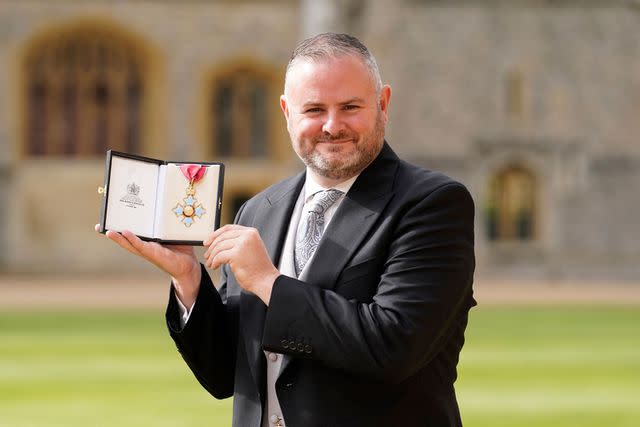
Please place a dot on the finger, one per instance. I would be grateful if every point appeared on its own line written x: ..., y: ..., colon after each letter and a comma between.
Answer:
x: 213, y: 235
x: 222, y: 257
x: 145, y: 249
x: 224, y: 233
x: 153, y: 252
x: 236, y: 232
x: 97, y: 227
x: 215, y: 250
x: 222, y: 230
x: 228, y: 235
x: 121, y: 241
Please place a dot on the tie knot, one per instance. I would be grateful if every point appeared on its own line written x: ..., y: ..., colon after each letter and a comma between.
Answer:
x: 322, y: 200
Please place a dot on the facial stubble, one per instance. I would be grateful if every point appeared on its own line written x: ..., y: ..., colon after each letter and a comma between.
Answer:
x: 349, y: 165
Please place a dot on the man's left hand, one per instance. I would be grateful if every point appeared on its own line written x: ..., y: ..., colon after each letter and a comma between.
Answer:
x: 243, y: 250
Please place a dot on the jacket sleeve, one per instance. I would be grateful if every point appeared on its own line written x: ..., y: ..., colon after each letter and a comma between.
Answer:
x: 425, y: 281
x: 207, y: 342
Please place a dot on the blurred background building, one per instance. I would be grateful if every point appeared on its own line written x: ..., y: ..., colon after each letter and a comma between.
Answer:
x: 535, y: 105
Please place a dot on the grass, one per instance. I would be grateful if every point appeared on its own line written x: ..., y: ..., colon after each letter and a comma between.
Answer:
x: 521, y: 367
x: 98, y: 369
x: 558, y: 366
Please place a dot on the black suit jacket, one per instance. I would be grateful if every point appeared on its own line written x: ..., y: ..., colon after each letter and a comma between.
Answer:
x: 374, y: 333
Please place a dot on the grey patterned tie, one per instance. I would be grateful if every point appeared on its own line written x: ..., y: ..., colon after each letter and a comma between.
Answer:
x: 311, y: 226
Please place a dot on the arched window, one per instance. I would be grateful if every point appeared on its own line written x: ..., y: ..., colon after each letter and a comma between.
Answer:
x: 84, y: 94
x: 511, y: 207
x: 243, y: 104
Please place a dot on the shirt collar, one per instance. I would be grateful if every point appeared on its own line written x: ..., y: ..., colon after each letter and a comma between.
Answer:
x: 311, y: 187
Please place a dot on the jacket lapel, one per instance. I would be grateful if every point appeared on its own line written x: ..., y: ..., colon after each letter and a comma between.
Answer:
x: 272, y: 220
x: 353, y: 220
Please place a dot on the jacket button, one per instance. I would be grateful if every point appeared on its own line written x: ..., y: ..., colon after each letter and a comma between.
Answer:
x: 307, y: 349
x: 292, y: 345
x: 285, y: 343
x: 300, y: 347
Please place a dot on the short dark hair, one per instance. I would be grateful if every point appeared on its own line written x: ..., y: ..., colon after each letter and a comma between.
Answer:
x: 331, y: 45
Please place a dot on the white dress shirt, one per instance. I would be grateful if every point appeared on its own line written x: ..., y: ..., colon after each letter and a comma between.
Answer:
x: 272, y: 415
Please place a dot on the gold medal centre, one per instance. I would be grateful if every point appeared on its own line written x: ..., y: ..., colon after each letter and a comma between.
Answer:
x: 188, y: 211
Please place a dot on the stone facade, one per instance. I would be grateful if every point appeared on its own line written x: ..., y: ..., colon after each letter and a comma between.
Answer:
x: 49, y: 206
x: 478, y: 86
x: 577, y: 131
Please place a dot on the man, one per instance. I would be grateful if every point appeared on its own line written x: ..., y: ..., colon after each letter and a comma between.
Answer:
x: 363, y: 328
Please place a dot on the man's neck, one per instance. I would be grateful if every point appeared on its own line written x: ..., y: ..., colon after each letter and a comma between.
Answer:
x: 312, y: 185
x: 327, y: 182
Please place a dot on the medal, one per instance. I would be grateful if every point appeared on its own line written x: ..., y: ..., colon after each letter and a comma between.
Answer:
x: 190, y: 209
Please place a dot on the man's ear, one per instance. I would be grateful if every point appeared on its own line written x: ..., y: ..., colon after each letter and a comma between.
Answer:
x: 385, y: 99
x: 284, y: 106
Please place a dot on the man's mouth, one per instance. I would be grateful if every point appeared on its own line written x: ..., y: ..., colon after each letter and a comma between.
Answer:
x: 336, y: 141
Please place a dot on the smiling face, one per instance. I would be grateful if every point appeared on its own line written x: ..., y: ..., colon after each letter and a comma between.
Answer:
x: 335, y: 116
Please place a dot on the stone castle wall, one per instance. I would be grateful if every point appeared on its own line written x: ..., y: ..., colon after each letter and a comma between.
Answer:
x: 449, y: 64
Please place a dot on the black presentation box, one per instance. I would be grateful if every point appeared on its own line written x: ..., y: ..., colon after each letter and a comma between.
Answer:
x: 155, y: 200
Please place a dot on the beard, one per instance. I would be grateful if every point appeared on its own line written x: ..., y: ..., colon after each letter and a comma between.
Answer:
x: 345, y: 166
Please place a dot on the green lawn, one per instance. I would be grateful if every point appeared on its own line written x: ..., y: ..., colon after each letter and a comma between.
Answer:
x: 98, y: 369
x: 520, y: 367
x: 558, y: 366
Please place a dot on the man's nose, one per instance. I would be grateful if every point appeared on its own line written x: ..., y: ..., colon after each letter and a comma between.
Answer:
x: 333, y: 124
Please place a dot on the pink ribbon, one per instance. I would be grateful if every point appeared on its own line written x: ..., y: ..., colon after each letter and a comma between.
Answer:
x: 193, y: 173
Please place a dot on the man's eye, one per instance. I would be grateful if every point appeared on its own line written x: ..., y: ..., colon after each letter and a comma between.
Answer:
x: 351, y: 107
x: 313, y: 110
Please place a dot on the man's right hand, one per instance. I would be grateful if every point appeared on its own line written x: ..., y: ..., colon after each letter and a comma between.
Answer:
x: 178, y: 261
